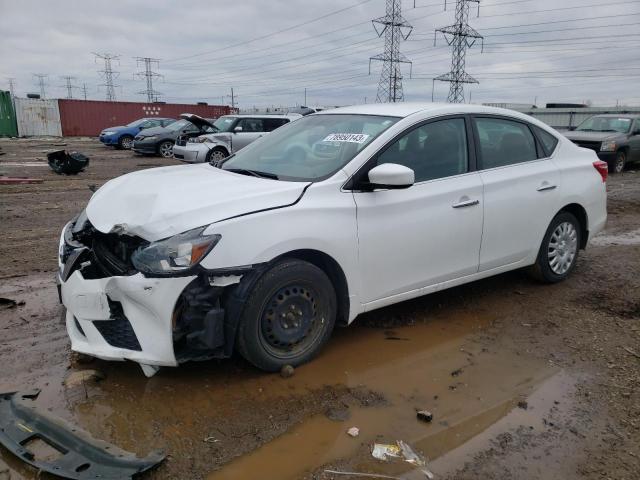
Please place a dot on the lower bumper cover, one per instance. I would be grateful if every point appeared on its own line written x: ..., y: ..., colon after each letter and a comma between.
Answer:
x: 79, y: 456
x: 191, y: 153
x: 118, y: 318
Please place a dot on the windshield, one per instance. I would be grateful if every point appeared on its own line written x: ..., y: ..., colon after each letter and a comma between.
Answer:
x: 605, y: 124
x: 178, y: 125
x: 136, y: 123
x: 223, y: 124
x: 311, y: 148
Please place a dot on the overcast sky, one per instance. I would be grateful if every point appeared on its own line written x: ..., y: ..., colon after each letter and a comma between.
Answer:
x: 269, y: 51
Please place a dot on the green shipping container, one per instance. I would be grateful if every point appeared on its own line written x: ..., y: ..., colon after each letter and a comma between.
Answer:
x: 8, y: 125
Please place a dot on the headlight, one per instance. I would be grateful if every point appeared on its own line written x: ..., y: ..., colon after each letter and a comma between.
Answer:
x: 175, y: 254
x: 203, y: 140
x: 108, y: 133
x: 608, y: 146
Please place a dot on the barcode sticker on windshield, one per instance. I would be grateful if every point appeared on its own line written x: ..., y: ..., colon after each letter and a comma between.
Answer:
x: 347, y: 137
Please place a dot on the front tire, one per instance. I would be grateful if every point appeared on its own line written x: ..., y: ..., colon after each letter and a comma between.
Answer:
x: 617, y: 165
x: 288, y: 317
x: 165, y: 149
x: 216, y: 155
x: 125, y: 142
x: 558, y: 253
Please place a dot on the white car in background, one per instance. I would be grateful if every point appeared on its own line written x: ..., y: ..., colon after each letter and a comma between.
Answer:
x: 336, y: 214
x: 234, y: 132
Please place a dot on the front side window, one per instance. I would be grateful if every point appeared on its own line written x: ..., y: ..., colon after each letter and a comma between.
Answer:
x: 251, y: 125
x: 504, y: 142
x: 311, y: 148
x: 433, y: 150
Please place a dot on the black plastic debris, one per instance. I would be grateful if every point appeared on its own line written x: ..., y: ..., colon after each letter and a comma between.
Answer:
x: 65, y: 163
x: 71, y: 453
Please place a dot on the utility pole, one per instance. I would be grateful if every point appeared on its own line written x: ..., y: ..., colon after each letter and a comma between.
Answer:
x: 459, y: 36
x: 233, y: 99
x: 305, y: 96
x: 69, y: 86
x: 395, y: 29
x: 108, y: 74
x: 84, y: 90
x: 12, y: 81
x: 149, y: 74
x: 41, y: 82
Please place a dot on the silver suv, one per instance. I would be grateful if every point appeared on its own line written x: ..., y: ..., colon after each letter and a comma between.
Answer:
x: 233, y: 132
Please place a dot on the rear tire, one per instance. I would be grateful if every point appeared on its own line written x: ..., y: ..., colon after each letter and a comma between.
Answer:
x: 617, y: 165
x: 288, y: 317
x: 558, y: 252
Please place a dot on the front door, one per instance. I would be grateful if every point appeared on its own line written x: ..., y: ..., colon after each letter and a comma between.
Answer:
x: 252, y: 129
x: 428, y: 233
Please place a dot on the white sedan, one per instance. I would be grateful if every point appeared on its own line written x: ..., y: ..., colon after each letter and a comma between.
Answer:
x: 336, y: 214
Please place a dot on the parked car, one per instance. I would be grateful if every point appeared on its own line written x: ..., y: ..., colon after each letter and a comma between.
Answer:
x: 160, y: 140
x: 335, y: 214
x: 233, y: 132
x: 615, y: 138
x: 122, y: 137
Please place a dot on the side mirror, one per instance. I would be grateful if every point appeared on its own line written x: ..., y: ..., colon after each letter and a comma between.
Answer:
x: 391, y: 176
x: 571, y: 129
x: 237, y: 129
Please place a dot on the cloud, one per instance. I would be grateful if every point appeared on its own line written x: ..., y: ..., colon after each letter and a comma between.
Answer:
x: 208, y: 47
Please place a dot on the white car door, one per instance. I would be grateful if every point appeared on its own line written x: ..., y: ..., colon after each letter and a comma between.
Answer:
x: 428, y: 233
x: 246, y: 131
x: 521, y: 191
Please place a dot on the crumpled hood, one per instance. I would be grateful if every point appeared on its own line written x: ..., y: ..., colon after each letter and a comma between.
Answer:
x: 591, y: 136
x: 160, y: 202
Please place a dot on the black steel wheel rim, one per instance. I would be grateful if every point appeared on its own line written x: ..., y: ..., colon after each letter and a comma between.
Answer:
x: 292, y: 321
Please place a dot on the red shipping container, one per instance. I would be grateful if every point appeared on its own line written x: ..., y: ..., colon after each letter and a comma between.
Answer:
x: 89, y: 117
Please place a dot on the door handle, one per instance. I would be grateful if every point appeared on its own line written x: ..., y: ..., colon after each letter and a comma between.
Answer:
x: 466, y: 203
x: 546, y: 186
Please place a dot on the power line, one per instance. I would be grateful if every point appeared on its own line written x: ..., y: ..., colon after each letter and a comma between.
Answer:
x: 108, y: 74
x: 149, y: 75
x: 395, y: 29
x: 459, y: 36
x: 41, y: 82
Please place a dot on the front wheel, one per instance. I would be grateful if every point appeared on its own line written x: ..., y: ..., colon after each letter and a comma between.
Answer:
x: 288, y: 316
x: 215, y: 156
x: 125, y: 142
x: 165, y: 149
x: 558, y: 253
x: 617, y: 165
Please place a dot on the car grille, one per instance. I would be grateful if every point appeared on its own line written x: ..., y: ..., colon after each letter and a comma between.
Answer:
x: 595, y: 146
x: 118, y: 331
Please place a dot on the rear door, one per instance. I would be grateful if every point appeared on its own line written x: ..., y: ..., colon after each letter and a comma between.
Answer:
x: 521, y: 190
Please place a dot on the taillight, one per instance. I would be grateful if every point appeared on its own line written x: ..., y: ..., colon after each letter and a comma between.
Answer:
x: 602, y: 168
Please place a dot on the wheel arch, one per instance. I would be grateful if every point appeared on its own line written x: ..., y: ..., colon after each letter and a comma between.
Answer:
x: 580, y: 213
x: 333, y: 270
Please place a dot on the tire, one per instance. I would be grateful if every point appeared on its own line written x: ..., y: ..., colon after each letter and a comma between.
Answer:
x: 562, y: 243
x: 288, y: 316
x: 125, y: 142
x: 216, y: 155
x: 617, y: 165
x: 165, y: 149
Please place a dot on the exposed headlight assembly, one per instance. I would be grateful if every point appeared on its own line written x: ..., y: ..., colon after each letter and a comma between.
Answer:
x: 175, y: 255
x: 608, y: 146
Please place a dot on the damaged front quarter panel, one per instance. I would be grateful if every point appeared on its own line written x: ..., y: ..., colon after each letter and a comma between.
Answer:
x: 76, y: 455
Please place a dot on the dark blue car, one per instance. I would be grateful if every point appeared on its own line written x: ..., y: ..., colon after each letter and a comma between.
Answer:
x: 122, y: 137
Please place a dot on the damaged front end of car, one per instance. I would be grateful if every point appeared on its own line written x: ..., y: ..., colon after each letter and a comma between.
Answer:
x: 149, y: 302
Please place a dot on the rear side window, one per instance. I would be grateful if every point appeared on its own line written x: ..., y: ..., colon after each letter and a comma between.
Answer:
x: 549, y: 142
x: 271, y: 124
x: 504, y: 142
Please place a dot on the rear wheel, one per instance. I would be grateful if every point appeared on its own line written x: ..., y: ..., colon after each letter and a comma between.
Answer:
x: 288, y: 317
x: 559, y: 250
x: 125, y: 142
x: 165, y: 149
x: 216, y: 155
x: 617, y: 165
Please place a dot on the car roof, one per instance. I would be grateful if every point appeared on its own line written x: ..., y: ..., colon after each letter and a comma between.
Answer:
x: 405, y: 109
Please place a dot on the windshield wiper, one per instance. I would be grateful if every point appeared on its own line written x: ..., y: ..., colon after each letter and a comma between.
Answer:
x: 254, y: 173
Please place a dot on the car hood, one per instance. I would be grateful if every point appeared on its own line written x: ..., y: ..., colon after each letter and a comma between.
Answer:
x: 148, y: 132
x: 197, y: 120
x: 110, y: 129
x: 591, y: 136
x: 160, y: 202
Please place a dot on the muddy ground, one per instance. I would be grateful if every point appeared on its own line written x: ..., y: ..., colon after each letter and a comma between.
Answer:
x: 525, y: 381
